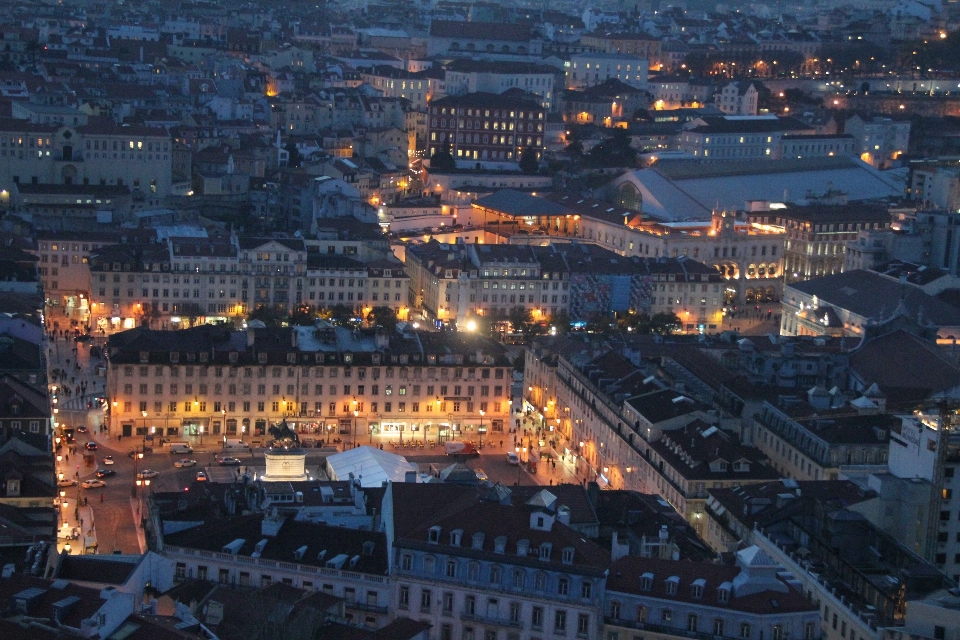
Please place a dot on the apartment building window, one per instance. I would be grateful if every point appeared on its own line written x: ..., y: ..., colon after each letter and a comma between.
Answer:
x: 692, y: 622
x: 448, y: 602
x: 778, y: 631
x: 583, y: 624
x: 536, y: 618
x: 560, y: 622
x: 470, y: 605
x: 425, y: 600
x: 718, y: 627
x: 515, y: 612
x: 745, y: 630
x: 404, y: 597
x: 563, y: 586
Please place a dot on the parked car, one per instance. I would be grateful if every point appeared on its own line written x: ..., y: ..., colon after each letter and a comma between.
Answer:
x: 93, y: 484
x: 201, y: 476
x: 512, y: 458
x: 66, y: 482
x: 185, y: 462
x: 147, y: 474
x: 105, y: 473
x: 107, y: 459
x: 228, y: 462
x: 481, y: 475
x: 91, y: 446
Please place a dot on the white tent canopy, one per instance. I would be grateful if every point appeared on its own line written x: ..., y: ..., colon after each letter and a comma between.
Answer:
x: 371, y: 466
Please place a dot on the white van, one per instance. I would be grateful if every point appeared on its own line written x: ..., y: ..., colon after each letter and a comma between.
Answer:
x: 235, y: 446
x: 180, y: 448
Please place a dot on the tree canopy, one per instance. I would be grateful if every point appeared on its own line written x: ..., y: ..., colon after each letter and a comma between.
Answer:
x: 383, y: 317
x: 528, y: 161
x: 443, y: 160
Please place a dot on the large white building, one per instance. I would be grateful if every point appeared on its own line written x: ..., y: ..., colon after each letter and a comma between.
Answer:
x: 187, y: 280
x: 470, y: 76
x: 589, y: 69
x: 86, y: 150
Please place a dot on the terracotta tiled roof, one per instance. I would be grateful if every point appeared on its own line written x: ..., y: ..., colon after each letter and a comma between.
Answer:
x: 520, y: 32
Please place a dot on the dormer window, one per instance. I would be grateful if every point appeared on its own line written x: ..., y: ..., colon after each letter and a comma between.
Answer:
x: 671, y: 585
x: 433, y: 535
x: 523, y: 547
x: 696, y: 589
x: 174, y: 356
x: 741, y: 465
x: 262, y: 358
x: 546, y: 548
x: 144, y: 356
x: 567, y: 556
x: 204, y: 356
x: 723, y: 593
x: 646, y: 581
x: 234, y: 356
x: 500, y: 544
x: 455, y: 536
x: 477, y: 542
x: 292, y: 358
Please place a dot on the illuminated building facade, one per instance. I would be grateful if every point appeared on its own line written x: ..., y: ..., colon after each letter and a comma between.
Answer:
x: 327, y: 381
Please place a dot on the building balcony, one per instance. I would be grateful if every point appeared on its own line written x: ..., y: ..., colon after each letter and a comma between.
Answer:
x: 362, y: 606
x: 679, y: 631
x: 491, y: 620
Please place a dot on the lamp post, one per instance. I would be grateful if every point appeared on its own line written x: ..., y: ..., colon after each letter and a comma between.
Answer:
x: 480, y: 429
x: 144, y: 482
x: 137, y: 455
x: 355, y: 414
x: 223, y: 420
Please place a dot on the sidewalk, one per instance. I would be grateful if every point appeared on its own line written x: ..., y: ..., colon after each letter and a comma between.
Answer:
x: 137, y: 522
x: 81, y: 520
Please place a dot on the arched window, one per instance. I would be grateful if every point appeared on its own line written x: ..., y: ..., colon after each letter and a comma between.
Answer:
x: 628, y: 197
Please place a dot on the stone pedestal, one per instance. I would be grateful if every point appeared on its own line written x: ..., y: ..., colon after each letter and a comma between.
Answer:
x: 285, y: 465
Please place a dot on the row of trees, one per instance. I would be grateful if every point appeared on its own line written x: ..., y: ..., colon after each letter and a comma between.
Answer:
x: 522, y: 322
x: 339, y: 314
